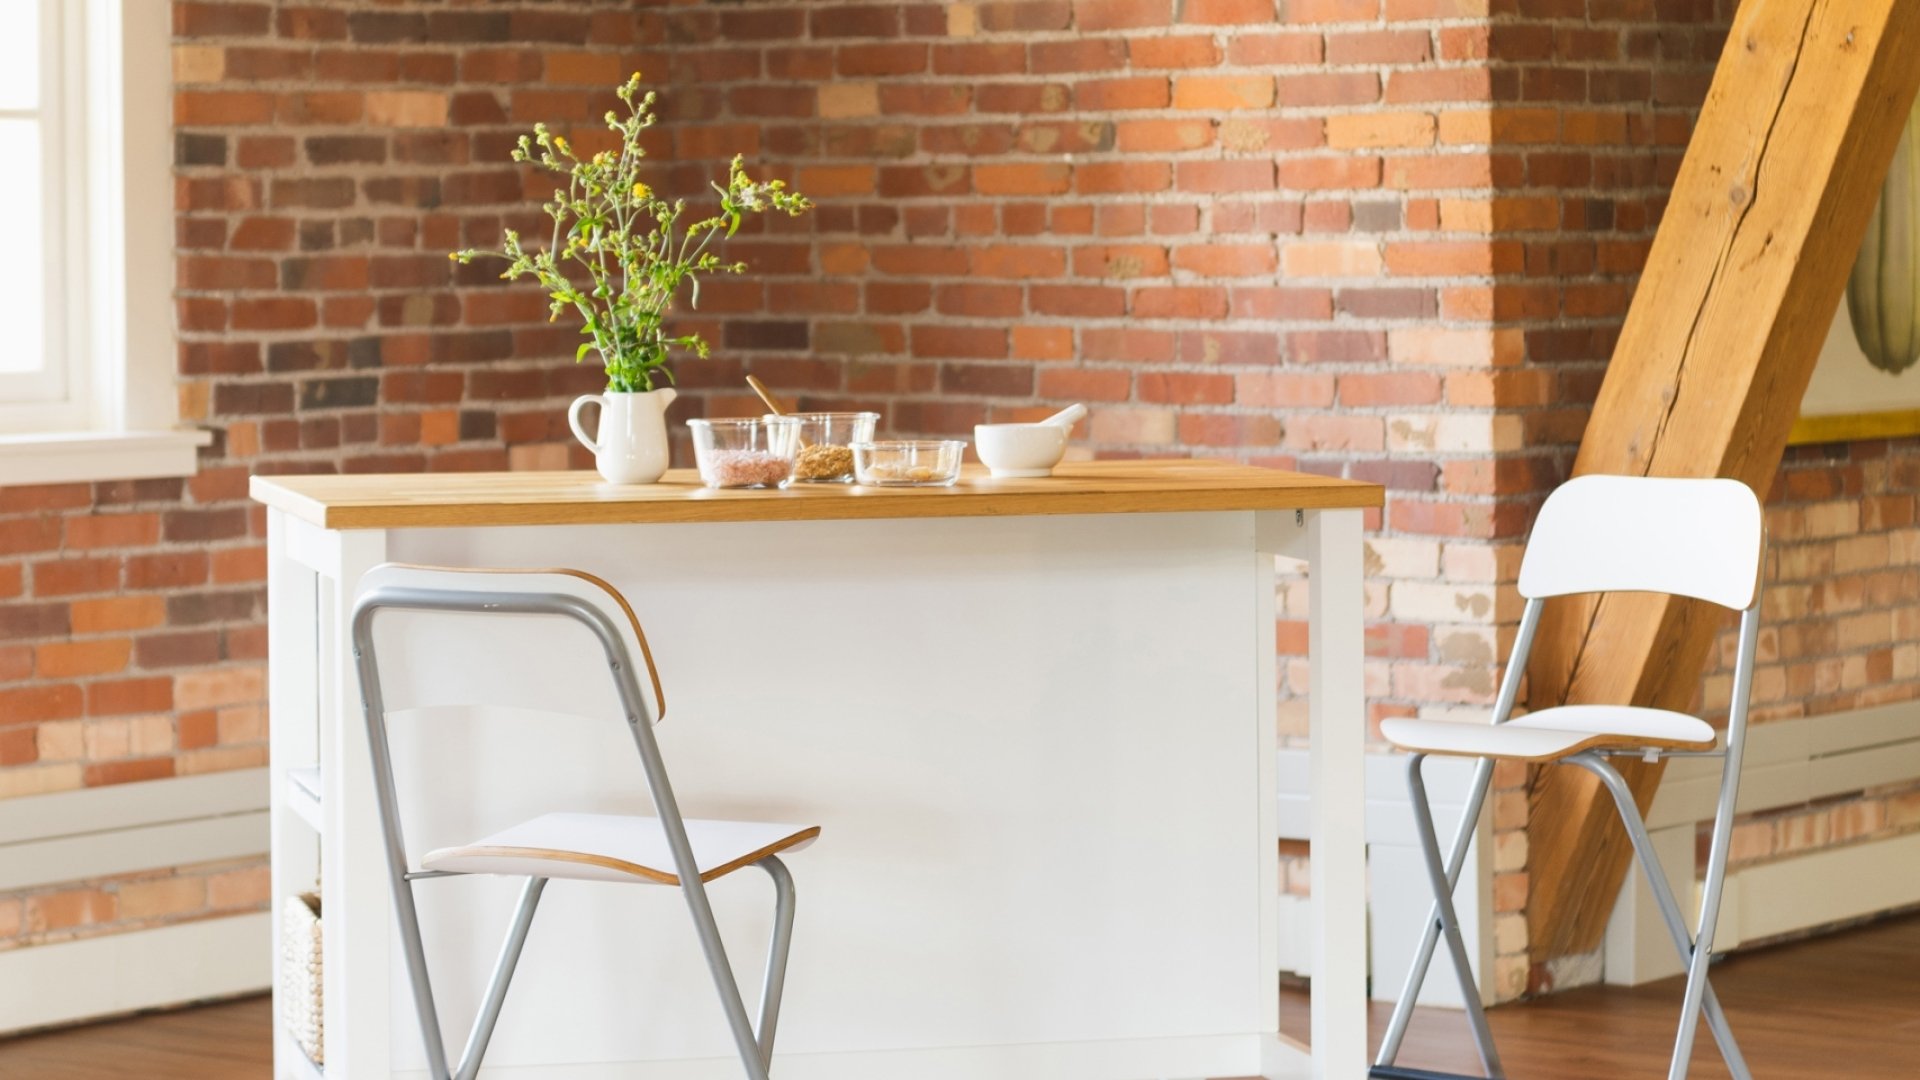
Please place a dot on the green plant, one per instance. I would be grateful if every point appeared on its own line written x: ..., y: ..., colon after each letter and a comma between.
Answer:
x: 619, y: 253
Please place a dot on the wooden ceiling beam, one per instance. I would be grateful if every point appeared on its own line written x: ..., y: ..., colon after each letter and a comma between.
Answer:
x: 1741, y: 284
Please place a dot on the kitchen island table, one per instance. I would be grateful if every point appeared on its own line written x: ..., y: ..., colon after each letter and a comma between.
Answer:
x: 1036, y: 719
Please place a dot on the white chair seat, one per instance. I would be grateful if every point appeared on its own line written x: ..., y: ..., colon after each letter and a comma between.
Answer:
x: 617, y: 847
x: 1554, y: 733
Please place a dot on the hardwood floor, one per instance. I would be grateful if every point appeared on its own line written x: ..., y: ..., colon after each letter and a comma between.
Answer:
x: 229, y: 1041
x: 1846, y: 1005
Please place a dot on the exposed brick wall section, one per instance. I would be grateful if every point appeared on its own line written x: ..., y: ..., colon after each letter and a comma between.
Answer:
x: 128, y: 902
x: 1391, y: 239
x: 1842, y: 627
x: 1592, y: 104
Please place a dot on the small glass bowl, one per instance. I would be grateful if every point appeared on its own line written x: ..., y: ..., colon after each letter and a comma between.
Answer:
x: 825, y: 452
x: 745, y: 453
x: 908, y: 464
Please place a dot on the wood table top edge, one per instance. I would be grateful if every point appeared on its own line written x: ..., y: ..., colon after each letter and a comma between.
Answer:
x: 441, y: 500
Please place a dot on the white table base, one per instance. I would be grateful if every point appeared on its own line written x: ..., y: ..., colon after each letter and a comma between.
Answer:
x: 1041, y: 748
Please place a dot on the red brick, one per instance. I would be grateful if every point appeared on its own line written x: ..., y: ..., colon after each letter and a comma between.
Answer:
x: 36, y: 704
x: 1109, y: 95
x: 1227, y: 260
x: 1179, y: 388
x: 871, y: 60
x: 69, y: 908
x: 123, y: 696
x: 118, y: 613
x: 1042, y: 343
x: 22, y: 535
x: 1248, y: 50
x: 1023, y: 179
x: 80, y: 659
x: 959, y: 342
x: 1195, y: 51
x: 206, y: 108
x: 1165, y: 136
x: 127, y: 772
x: 1085, y: 384
x: 67, y: 577
x: 1093, y: 16
x: 1330, y: 88
x: 1223, y: 92
x: 113, y: 531
x: 1109, y: 177
x: 1225, y: 176
x: 1332, y: 11
x: 1019, y: 261
x: 1077, y: 56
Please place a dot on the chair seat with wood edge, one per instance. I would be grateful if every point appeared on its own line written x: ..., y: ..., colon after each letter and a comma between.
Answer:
x: 555, y: 642
x: 1698, y: 539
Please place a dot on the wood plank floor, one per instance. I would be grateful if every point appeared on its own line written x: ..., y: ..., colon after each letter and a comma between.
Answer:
x: 1840, y: 1006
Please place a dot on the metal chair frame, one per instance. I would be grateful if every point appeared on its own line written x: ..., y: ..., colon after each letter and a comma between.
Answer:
x: 1695, y: 949
x: 753, y: 1041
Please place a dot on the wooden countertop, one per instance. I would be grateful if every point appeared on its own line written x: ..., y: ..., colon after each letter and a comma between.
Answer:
x: 437, y: 500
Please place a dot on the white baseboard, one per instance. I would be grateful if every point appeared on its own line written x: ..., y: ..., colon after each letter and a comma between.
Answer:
x: 72, y: 981
x: 1296, y: 935
x: 1265, y: 1056
x: 1826, y: 887
x: 1789, y: 763
x: 1399, y: 896
x: 126, y: 828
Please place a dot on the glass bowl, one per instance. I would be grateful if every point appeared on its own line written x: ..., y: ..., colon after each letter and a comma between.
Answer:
x: 908, y: 464
x: 825, y: 452
x: 745, y: 453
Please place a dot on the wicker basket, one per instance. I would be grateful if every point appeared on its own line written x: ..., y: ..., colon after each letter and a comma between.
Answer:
x: 300, y: 973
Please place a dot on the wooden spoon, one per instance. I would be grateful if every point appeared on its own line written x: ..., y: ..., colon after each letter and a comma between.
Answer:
x: 766, y: 396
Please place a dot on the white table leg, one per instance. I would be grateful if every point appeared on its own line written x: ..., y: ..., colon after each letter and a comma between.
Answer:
x: 353, y: 874
x: 1338, y: 729
x: 292, y: 742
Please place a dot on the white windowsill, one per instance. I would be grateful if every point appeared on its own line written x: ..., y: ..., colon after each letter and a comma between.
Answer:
x: 74, y: 457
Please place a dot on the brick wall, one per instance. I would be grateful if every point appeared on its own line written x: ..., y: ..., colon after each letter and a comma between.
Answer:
x: 1386, y: 238
x: 1842, y: 627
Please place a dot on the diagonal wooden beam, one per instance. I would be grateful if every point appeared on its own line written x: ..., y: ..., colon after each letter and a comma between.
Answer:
x: 1744, y: 276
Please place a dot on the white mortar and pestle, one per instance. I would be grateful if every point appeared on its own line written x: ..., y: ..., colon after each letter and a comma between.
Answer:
x: 1024, y: 450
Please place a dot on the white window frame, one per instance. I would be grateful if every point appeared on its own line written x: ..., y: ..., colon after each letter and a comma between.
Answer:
x: 112, y: 124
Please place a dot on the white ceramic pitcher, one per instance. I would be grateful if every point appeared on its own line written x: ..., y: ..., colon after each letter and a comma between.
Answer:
x: 632, y: 447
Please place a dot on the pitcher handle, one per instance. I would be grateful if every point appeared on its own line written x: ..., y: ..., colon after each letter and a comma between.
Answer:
x: 573, y: 420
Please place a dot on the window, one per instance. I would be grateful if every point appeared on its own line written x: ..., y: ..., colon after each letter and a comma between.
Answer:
x: 86, y: 344
x: 33, y: 369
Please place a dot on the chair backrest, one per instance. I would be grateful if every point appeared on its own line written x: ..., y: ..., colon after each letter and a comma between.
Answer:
x: 1683, y: 537
x: 441, y: 640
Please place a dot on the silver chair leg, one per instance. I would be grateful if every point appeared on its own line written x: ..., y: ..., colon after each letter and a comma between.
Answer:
x: 483, y: 1024
x: 777, y: 949
x: 1700, y: 996
x: 1448, y: 921
x: 744, y: 1039
x: 1396, y: 1031
x: 489, y: 1017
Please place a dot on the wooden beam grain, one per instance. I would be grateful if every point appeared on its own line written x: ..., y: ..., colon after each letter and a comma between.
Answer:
x: 1740, y: 287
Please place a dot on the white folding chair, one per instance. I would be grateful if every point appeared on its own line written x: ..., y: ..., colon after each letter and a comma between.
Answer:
x: 1596, y: 534
x: 543, y: 660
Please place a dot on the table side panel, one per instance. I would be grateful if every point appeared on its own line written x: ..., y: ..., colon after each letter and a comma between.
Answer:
x: 1027, y: 739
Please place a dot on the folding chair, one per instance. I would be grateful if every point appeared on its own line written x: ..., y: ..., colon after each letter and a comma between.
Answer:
x: 1702, y: 539
x: 549, y: 665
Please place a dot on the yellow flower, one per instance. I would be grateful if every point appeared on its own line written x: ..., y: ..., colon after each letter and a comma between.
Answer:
x: 642, y: 191
x: 561, y: 142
